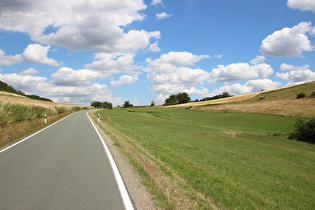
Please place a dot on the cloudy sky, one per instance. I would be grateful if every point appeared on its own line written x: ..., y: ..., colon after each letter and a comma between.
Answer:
x: 142, y: 50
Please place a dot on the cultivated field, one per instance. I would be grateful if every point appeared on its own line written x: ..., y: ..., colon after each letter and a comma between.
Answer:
x: 201, y: 158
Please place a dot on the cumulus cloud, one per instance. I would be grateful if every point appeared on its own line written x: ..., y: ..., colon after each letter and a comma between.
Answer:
x: 163, y: 15
x: 68, y: 77
x: 302, y: 4
x: 124, y: 79
x: 239, y: 71
x: 171, y: 73
x: 87, y: 25
x: 249, y: 87
x: 9, y: 60
x: 38, y: 54
x: 78, y: 93
x: 111, y: 64
x: 25, y: 83
x: 30, y: 71
x: 154, y: 47
x: 288, y: 42
x: 259, y: 59
x: 296, y: 74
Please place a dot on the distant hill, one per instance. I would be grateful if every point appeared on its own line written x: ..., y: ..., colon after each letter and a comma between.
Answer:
x: 7, y: 88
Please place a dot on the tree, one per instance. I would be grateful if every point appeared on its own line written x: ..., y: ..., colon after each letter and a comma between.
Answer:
x: 180, y: 98
x: 171, y: 100
x: 96, y: 104
x: 107, y: 105
x: 127, y: 104
x: 152, y: 103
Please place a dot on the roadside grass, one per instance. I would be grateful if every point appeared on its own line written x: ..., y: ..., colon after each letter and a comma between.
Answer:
x: 195, y: 159
x: 20, y: 116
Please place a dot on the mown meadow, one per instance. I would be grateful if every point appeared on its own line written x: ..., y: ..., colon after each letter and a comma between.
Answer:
x: 206, y: 160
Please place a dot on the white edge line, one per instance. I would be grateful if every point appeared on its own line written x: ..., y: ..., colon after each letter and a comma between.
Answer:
x: 120, y: 182
x: 32, y: 135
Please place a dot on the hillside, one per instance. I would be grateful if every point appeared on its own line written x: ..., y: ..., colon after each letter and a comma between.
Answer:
x: 280, y: 101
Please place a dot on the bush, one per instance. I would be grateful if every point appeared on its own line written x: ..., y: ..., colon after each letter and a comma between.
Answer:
x: 301, y: 95
x: 304, y: 130
x: 313, y: 95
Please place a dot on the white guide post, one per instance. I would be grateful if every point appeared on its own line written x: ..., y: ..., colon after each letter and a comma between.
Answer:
x: 45, y: 119
x: 98, y: 119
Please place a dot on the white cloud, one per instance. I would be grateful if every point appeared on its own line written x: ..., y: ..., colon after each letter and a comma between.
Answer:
x: 38, y: 54
x: 163, y: 15
x: 154, y: 47
x: 285, y: 66
x: 180, y: 58
x: 25, y: 83
x: 239, y: 71
x: 259, y: 59
x: 30, y: 71
x: 155, y: 2
x: 169, y: 74
x: 86, y: 25
x: 296, y: 74
x: 249, y: 87
x: 124, y: 79
x: 288, y: 42
x: 302, y: 4
x: 218, y: 56
x: 68, y: 77
x: 9, y: 59
x: 113, y: 64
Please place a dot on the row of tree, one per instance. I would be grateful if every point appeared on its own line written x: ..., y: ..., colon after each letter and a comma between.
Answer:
x: 179, y: 98
x: 103, y: 105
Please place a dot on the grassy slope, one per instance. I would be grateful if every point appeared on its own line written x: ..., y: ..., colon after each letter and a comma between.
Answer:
x: 236, y: 160
x: 196, y: 159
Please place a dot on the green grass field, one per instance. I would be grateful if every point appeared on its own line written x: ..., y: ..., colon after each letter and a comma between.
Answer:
x: 224, y: 160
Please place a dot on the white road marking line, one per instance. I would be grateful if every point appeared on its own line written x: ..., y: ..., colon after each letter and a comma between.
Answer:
x: 120, y: 182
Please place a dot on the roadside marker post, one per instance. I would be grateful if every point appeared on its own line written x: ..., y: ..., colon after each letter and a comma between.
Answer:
x: 45, y: 119
x: 98, y: 119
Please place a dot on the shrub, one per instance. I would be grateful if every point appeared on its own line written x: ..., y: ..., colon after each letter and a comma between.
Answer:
x: 304, y: 130
x: 301, y: 95
x: 313, y: 95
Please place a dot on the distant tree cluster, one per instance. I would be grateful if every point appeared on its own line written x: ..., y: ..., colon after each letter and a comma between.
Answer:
x: 7, y: 88
x: 224, y: 95
x: 102, y: 105
x: 180, y: 98
x: 127, y: 104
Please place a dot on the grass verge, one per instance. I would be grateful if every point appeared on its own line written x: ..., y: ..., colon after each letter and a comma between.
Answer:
x: 194, y: 159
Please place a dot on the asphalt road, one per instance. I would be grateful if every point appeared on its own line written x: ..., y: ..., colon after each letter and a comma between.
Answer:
x: 63, y: 167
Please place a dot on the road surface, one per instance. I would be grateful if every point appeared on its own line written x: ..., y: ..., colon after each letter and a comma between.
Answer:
x: 63, y: 167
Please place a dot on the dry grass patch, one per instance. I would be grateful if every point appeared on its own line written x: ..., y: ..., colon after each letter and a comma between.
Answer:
x: 294, y: 108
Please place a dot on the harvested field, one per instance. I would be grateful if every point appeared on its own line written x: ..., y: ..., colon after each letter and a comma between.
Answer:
x: 294, y: 108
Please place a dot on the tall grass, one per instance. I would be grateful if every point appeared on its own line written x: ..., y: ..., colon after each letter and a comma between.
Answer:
x: 11, y: 113
x: 231, y: 160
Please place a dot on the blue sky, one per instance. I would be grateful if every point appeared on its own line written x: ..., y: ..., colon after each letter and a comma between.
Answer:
x: 144, y: 50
